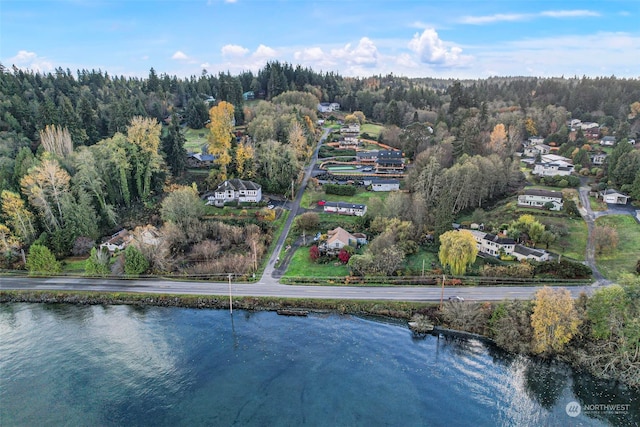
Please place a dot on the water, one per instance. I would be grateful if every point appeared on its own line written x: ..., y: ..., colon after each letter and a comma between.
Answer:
x: 121, y: 365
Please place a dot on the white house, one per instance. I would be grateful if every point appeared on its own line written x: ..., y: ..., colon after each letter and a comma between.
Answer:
x: 521, y: 252
x: 613, y: 196
x: 385, y: 184
x: 553, y: 168
x: 492, y: 244
x: 598, y: 158
x: 537, y: 198
x: 328, y: 107
x: 344, y: 208
x: 236, y: 190
x: 534, y: 150
x: 589, y: 125
x: 608, y: 141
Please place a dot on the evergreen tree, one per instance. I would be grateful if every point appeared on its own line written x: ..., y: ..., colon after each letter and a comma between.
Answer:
x: 173, y: 147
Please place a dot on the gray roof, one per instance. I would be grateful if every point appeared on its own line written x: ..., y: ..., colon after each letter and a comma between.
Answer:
x: 540, y: 192
x: 381, y: 181
x: 612, y: 191
x: 523, y: 250
x: 237, y: 184
x: 499, y: 240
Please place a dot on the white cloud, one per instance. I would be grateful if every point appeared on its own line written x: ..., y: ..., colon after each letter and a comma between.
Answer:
x: 364, y: 54
x: 179, y: 55
x: 230, y: 1
x: 205, y: 65
x: 498, y: 17
x: 264, y: 52
x: 513, y: 17
x: 312, y: 54
x: 234, y: 50
x: 30, y: 60
x: 432, y: 50
x: 568, y: 13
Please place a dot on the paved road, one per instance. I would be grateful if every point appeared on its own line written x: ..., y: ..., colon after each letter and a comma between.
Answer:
x: 268, y: 274
x: 397, y: 293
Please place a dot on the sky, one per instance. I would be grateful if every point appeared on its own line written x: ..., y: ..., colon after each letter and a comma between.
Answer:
x: 416, y: 38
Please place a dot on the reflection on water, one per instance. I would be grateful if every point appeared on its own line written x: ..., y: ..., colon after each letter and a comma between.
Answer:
x: 120, y: 365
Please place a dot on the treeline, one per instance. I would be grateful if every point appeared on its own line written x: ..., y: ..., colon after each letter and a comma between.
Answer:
x: 599, y: 333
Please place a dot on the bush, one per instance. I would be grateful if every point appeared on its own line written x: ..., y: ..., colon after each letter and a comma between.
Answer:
x: 340, y: 190
x: 134, y: 262
x: 42, y: 261
x: 563, y: 270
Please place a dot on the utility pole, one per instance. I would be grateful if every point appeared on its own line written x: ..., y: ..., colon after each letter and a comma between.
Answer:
x: 230, y: 300
x: 422, y: 267
x: 293, y: 194
x: 442, y: 293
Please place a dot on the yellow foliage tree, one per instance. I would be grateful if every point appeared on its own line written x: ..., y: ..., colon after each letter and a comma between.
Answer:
x: 498, y: 139
x: 530, y: 126
x: 220, y: 134
x: 635, y: 110
x: 458, y: 250
x: 19, y: 218
x: 244, y: 153
x: 56, y: 140
x: 554, y: 320
x: 298, y: 141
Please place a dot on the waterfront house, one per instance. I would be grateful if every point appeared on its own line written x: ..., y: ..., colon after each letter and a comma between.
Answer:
x: 344, y: 208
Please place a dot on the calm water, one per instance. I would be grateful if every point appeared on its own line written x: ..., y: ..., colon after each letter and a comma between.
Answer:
x: 120, y: 365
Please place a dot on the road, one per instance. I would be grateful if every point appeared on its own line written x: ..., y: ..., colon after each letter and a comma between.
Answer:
x: 268, y: 274
x: 394, y: 293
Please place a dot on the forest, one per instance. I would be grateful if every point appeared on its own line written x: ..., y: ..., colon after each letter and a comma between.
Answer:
x: 84, y: 155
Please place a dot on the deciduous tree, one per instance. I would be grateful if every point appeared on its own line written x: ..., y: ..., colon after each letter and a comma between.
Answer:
x: 605, y: 238
x: 554, y: 320
x: 458, y: 250
x: 220, y: 134
x: 19, y: 218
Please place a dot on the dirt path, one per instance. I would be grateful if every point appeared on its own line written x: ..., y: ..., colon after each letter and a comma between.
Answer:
x: 589, y: 217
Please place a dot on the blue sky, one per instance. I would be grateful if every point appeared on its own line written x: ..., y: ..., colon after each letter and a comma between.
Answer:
x: 459, y: 39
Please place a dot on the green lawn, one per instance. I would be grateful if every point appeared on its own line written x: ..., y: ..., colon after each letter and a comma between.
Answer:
x: 73, y: 265
x: 371, y: 129
x: 195, y: 139
x: 574, y: 245
x: 310, y: 197
x: 302, y: 266
x: 597, y: 205
x: 624, y: 258
x: 413, y: 262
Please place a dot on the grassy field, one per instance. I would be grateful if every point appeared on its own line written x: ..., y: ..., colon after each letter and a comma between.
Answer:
x: 414, y: 262
x: 310, y: 197
x: 195, y: 139
x: 371, y: 129
x: 574, y: 245
x: 73, y: 265
x: 624, y: 258
x: 302, y: 266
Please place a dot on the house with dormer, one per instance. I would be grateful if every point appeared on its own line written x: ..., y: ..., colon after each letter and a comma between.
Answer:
x: 235, y: 190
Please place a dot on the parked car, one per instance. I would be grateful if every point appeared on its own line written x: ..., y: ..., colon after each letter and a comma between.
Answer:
x: 456, y: 298
x: 367, y: 169
x: 321, y: 202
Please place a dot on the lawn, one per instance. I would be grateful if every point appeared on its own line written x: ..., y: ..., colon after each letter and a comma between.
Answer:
x: 597, y: 205
x: 574, y: 245
x: 302, y: 266
x: 195, y: 139
x: 414, y: 262
x: 310, y: 197
x: 73, y: 265
x: 624, y: 258
x: 371, y: 129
